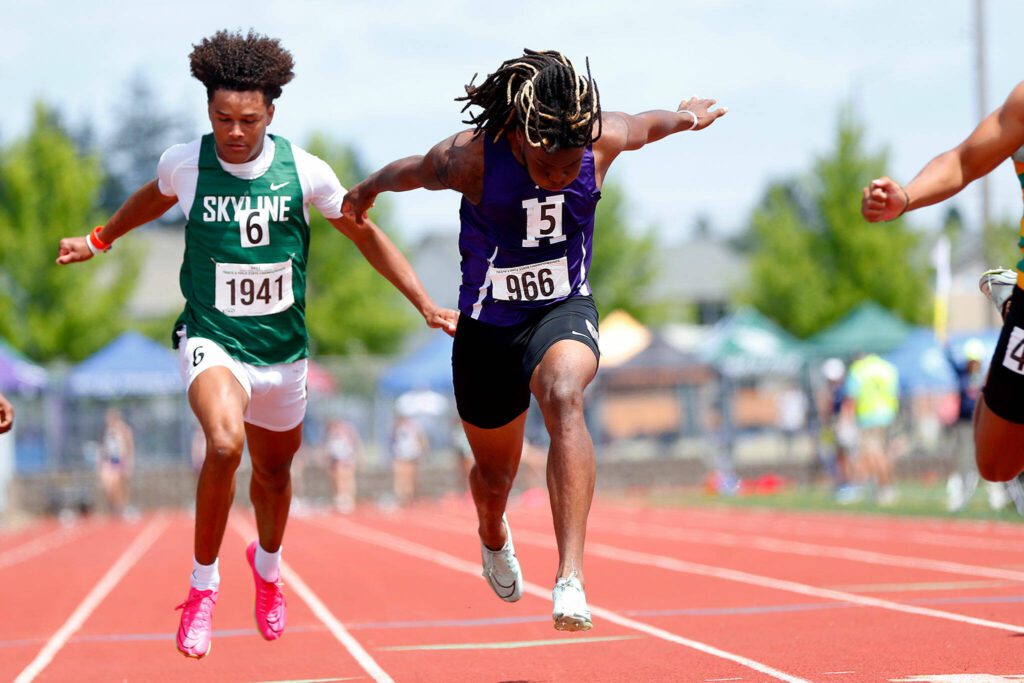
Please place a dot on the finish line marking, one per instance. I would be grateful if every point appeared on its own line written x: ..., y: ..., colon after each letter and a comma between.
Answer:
x: 513, y: 645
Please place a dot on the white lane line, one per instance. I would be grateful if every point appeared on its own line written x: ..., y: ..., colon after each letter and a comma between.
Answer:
x: 99, y: 592
x: 37, y: 546
x: 672, y: 564
x: 776, y: 545
x: 340, y: 633
x: 397, y: 544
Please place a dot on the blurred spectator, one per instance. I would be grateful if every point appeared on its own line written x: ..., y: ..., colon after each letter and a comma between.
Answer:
x: 408, y: 444
x: 872, y: 402
x: 198, y: 450
x: 963, y: 481
x: 343, y: 448
x: 834, y: 442
x: 792, y: 417
x: 6, y: 415
x: 116, y: 459
x: 463, y: 455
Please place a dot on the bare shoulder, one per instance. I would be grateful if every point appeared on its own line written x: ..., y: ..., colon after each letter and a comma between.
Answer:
x: 614, y: 132
x: 458, y: 162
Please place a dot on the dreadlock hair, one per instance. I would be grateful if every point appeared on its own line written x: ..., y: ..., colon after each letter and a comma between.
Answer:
x: 231, y: 61
x: 544, y: 94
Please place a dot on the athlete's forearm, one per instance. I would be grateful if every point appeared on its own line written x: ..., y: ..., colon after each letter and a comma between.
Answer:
x: 651, y: 126
x: 146, y: 204
x: 410, y: 173
x: 381, y: 253
x: 940, y: 179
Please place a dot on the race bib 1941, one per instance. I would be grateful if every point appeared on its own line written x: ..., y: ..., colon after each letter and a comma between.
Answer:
x: 245, y: 289
x: 533, y: 282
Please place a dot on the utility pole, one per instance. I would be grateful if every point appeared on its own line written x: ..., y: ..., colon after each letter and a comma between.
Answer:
x: 982, y: 95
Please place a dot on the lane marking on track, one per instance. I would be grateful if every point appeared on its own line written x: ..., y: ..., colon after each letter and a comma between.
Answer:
x: 316, y: 680
x: 400, y: 545
x: 340, y: 633
x: 684, y: 567
x: 99, y: 592
x: 777, y: 545
x: 921, y: 587
x: 37, y: 546
x: 958, y: 678
x: 509, y: 645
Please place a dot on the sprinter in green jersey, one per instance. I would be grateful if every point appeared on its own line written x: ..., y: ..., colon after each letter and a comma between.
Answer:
x: 242, y: 336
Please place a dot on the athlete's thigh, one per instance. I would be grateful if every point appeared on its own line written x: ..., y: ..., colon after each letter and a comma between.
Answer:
x: 491, y: 390
x: 271, y: 449
x: 497, y: 448
x: 997, y: 445
x: 567, y: 364
x: 218, y: 401
x: 562, y: 351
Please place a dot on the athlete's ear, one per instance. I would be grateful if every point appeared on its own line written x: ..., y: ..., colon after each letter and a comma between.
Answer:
x: 270, y: 114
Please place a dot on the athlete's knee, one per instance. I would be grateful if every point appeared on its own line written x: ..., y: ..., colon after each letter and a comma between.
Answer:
x: 224, y: 448
x: 561, y: 400
x: 996, y: 466
x: 494, y: 480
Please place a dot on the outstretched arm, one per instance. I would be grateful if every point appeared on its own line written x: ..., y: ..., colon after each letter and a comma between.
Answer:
x: 622, y: 132
x: 146, y: 204
x: 448, y: 165
x: 385, y: 257
x: 998, y: 136
x: 6, y: 415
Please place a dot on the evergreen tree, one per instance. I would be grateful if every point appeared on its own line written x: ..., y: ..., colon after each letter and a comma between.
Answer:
x: 48, y: 190
x: 350, y: 307
x: 815, y: 258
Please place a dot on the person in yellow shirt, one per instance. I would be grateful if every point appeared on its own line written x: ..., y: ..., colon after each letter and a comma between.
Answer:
x: 872, y: 400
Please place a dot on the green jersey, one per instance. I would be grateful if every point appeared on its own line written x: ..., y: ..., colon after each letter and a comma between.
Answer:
x: 244, y: 271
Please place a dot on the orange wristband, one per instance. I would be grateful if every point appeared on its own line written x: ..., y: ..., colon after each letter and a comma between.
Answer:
x: 95, y: 242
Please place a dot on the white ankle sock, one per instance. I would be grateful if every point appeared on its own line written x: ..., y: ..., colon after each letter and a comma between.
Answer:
x: 268, y: 565
x: 205, y: 576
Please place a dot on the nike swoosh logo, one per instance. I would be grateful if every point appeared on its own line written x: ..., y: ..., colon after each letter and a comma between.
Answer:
x: 579, y: 334
x: 511, y: 589
x: 278, y: 186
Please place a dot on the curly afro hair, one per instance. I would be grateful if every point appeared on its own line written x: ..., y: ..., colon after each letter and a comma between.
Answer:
x: 232, y: 61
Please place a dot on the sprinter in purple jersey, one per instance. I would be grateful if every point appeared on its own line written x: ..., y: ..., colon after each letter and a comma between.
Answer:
x: 530, y: 175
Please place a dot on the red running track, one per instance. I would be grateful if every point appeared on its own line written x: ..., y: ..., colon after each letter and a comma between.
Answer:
x: 702, y: 595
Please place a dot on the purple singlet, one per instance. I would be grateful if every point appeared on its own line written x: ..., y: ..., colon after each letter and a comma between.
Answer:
x: 524, y: 248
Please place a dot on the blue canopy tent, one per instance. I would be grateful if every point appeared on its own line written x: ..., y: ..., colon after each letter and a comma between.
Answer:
x: 984, y: 340
x: 131, y: 365
x: 429, y: 367
x: 17, y: 373
x: 923, y: 364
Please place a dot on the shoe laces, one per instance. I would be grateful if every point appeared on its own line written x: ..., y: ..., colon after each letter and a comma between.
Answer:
x: 198, y: 606
x: 269, y: 595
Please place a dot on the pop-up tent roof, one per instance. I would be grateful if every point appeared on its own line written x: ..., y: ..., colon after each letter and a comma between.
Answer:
x: 923, y: 364
x: 131, y: 365
x: 17, y: 373
x: 427, y: 367
x: 747, y: 343
x: 869, y: 328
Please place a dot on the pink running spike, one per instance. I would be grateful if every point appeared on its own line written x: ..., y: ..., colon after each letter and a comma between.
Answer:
x: 196, y: 623
x: 270, y: 603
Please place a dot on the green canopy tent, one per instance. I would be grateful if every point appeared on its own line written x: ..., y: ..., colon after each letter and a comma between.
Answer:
x: 748, y: 344
x: 869, y: 328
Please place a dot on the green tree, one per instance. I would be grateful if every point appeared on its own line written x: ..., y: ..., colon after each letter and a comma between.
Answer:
x: 623, y: 264
x: 814, y: 256
x: 350, y: 307
x: 49, y: 191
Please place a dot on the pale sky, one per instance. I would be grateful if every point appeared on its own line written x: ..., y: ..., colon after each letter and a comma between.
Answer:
x: 383, y: 76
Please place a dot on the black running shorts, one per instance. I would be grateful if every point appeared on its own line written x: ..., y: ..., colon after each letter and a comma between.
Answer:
x: 1005, y: 385
x: 492, y: 364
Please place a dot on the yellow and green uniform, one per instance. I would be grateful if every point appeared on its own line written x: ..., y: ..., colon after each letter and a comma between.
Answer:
x: 874, y: 385
x: 244, y: 271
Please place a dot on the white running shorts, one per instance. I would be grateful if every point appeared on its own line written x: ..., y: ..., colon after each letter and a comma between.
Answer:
x: 277, y: 393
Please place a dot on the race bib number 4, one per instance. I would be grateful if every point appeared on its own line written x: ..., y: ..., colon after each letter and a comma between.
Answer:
x: 534, y: 282
x: 1014, y: 358
x: 245, y: 289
